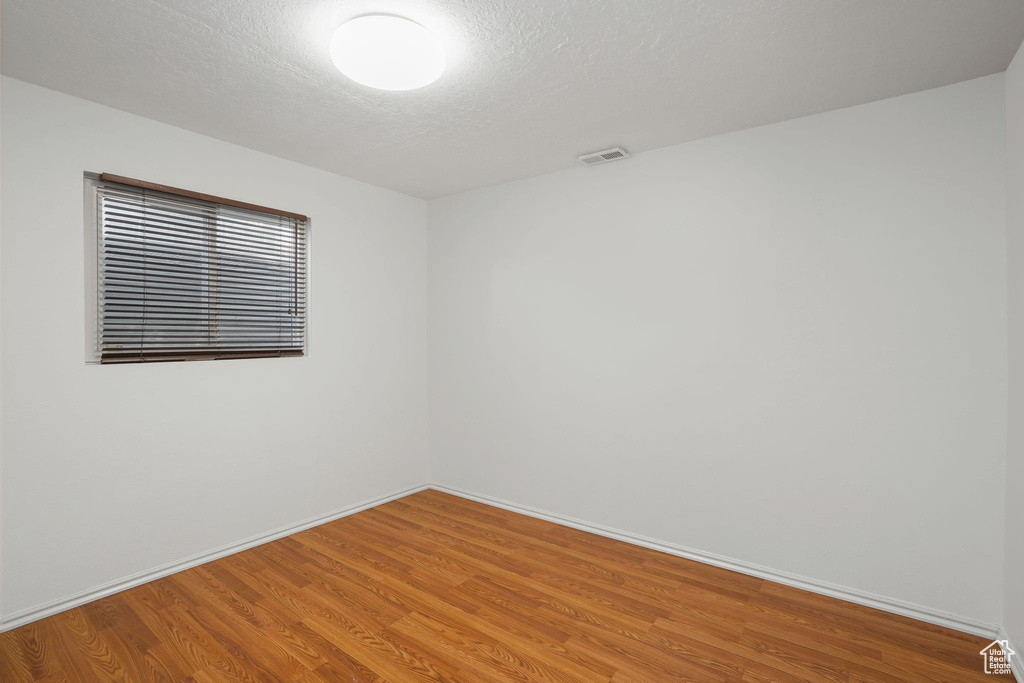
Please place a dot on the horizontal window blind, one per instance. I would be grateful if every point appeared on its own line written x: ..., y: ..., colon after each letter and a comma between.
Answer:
x: 186, y: 279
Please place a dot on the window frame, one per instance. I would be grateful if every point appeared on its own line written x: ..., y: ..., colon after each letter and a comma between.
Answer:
x: 92, y: 182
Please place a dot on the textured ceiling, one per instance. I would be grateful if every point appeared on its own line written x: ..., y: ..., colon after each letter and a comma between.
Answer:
x: 530, y: 84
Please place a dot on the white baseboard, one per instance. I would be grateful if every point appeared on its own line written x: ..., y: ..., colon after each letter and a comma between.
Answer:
x: 906, y: 609
x: 1016, y: 660
x: 50, y: 608
x: 859, y: 597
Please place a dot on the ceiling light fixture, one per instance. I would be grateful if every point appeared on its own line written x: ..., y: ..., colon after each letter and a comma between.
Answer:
x: 387, y: 52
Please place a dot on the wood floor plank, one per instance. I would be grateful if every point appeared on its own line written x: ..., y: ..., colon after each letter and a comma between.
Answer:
x: 90, y: 655
x: 433, y: 587
x: 13, y: 666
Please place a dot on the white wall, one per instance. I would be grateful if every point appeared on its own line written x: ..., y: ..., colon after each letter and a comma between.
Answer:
x: 1013, y: 613
x: 785, y: 346
x: 107, y: 471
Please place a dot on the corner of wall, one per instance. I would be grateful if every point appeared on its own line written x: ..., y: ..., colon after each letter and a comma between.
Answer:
x: 1013, y: 523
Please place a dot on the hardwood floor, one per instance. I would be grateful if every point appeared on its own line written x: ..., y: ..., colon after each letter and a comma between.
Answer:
x: 434, y: 587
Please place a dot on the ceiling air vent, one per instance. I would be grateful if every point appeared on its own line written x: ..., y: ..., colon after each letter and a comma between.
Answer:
x: 604, y: 155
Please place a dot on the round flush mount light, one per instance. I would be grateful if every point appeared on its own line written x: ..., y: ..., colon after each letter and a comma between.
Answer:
x: 387, y: 52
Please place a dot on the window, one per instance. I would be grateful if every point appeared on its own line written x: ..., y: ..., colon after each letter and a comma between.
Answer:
x: 185, y: 276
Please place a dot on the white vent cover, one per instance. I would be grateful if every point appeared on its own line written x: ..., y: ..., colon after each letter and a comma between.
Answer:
x: 613, y: 154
